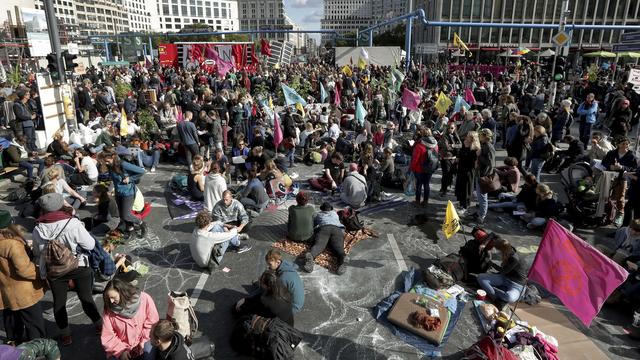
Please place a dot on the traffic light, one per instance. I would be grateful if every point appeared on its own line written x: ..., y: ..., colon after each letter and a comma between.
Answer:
x: 69, y: 65
x: 558, y: 72
x: 53, y: 66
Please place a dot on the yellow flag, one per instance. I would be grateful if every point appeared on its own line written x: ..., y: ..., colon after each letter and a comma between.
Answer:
x: 124, y: 124
x: 362, y: 64
x: 451, y: 223
x: 270, y: 102
x: 300, y: 108
x: 347, y: 70
x: 457, y: 42
x: 276, y: 66
x: 443, y: 103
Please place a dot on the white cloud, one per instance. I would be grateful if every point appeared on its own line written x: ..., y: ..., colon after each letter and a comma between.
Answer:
x: 313, y: 18
x: 306, y: 3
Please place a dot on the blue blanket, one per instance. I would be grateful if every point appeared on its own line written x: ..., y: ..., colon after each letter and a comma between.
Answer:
x: 381, y: 311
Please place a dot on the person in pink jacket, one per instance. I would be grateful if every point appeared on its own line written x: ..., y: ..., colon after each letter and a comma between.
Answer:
x: 129, y: 315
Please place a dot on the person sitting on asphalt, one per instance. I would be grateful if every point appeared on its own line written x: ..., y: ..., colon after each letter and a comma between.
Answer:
x: 195, y: 180
x: 146, y: 158
x: 231, y: 212
x: 509, y: 175
x: 332, y: 175
x: 273, y: 301
x: 505, y: 287
x: 17, y: 155
x: 86, y: 169
x: 34, y: 349
x: 354, y: 188
x: 207, y: 235
x: 300, y: 222
x: 254, y: 196
x: 214, y: 185
x: 329, y: 231
x: 547, y: 207
x: 168, y: 342
x: 524, y: 200
x: 288, y: 276
x: 129, y: 315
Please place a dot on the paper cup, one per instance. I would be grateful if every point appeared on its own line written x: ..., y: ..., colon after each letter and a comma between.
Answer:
x: 481, y: 295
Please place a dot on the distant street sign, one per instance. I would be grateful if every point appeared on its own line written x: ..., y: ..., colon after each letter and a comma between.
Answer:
x: 73, y: 48
x: 626, y: 47
x: 426, y: 48
x: 561, y: 38
x: 631, y: 37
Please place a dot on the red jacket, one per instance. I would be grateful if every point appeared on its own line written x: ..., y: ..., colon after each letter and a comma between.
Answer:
x: 418, y: 157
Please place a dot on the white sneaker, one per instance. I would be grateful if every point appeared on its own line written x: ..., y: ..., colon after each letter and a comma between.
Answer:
x: 461, y: 212
x: 294, y: 175
x: 243, y: 237
x: 153, y: 169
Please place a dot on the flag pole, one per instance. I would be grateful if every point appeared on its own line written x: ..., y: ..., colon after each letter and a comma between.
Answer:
x: 513, y: 311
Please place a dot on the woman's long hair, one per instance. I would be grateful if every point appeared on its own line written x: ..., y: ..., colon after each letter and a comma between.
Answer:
x: 504, y: 247
x: 272, y: 286
x: 126, y: 291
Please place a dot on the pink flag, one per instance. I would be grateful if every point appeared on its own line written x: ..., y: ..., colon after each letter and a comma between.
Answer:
x: 223, y: 67
x: 277, y: 131
x: 337, y: 96
x: 410, y: 100
x: 210, y: 53
x: 578, y: 274
x: 468, y: 96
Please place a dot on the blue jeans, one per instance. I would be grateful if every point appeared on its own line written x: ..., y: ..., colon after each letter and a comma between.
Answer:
x: 499, y: 286
x: 223, y: 246
x: 422, y: 182
x: 30, y: 134
x: 585, y: 133
x: 148, y: 352
x: 483, y: 200
x: 251, y: 204
x: 146, y: 160
x: 28, y: 165
x: 536, y: 167
x: 291, y: 156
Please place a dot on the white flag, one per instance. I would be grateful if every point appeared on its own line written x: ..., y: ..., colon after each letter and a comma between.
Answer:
x: 364, y: 54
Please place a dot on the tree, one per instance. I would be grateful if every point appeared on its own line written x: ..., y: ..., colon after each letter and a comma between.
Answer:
x: 393, y: 37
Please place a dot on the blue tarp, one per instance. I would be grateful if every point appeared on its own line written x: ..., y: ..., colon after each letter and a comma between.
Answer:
x: 381, y: 311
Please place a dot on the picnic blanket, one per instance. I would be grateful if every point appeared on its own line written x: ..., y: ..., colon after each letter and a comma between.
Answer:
x: 381, y: 310
x: 326, y: 259
x: 181, y: 207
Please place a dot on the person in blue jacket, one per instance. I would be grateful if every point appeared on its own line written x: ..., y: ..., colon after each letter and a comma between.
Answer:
x: 588, y: 112
x: 288, y: 276
x: 124, y: 176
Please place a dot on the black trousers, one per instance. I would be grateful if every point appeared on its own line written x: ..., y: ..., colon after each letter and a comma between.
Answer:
x: 28, y: 321
x: 329, y: 235
x: 448, y: 170
x: 125, y: 204
x: 191, y: 151
x: 83, y: 278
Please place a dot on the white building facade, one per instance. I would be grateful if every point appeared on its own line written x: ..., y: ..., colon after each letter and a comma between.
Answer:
x: 346, y: 16
x: 173, y: 15
x: 143, y: 15
x: 264, y: 15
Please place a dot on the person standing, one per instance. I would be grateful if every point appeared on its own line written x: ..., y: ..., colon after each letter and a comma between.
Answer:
x: 189, y: 136
x: 20, y: 288
x: 26, y: 119
x: 449, y: 147
x: 588, y: 112
x: 57, y: 224
x: 485, y: 166
x: 465, y: 177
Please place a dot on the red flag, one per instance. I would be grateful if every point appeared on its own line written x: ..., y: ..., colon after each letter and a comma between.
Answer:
x: 578, y: 274
x: 265, y: 48
x: 336, y: 99
x: 410, y: 100
x: 168, y: 54
x: 254, y: 58
x: 195, y: 51
x: 238, y: 54
x: 277, y: 131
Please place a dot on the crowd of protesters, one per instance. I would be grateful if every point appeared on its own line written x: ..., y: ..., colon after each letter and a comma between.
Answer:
x: 222, y: 128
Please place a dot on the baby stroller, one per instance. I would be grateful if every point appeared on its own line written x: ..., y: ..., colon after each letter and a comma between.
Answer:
x: 579, y: 186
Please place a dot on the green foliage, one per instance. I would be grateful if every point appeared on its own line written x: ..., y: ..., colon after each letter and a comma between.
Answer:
x: 148, y: 125
x: 122, y: 89
x: 15, y: 77
x: 262, y: 90
x: 393, y: 37
x: 343, y: 42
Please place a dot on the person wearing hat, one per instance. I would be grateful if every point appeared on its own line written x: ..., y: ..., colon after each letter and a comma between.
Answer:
x: 57, y: 224
x: 354, y: 188
x: 620, y: 119
x: 422, y: 165
x: 328, y: 231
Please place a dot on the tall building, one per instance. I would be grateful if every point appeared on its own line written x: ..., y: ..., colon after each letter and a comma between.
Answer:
x: 387, y: 9
x: 346, y: 16
x: 68, y: 24
x: 143, y: 15
x: 487, y: 40
x: 9, y: 5
x: 264, y: 15
x: 219, y: 15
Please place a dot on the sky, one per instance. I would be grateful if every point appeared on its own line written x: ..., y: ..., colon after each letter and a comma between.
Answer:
x: 306, y: 13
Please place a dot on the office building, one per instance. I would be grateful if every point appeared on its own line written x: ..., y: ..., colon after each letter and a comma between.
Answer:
x: 488, y: 40
x: 265, y: 15
x: 346, y: 16
x: 218, y: 15
x: 143, y: 15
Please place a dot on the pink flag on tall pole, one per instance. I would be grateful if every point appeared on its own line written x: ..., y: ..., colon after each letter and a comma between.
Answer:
x: 468, y: 96
x: 277, y: 131
x: 223, y: 66
x: 578, y: 274
x: 410, y: 100
x: 337, y: 96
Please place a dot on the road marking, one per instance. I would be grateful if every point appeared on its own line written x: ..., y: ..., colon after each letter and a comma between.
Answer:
x: 158, y: 205
x: 198, y: 289
x: 396, y: 252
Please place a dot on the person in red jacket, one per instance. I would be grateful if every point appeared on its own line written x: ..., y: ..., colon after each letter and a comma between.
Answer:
x: 420, y: 166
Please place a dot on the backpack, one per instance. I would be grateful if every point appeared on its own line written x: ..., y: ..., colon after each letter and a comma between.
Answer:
x: 547, y: 152
x: 454, y: 265
x: 488, y: 349
x: 476, y: 262
x: 180, y: 310
x: 178, y: 183
x: 349, y: 218
x: 431, y: 161
x: 58, y: 258
x: 436, y: 278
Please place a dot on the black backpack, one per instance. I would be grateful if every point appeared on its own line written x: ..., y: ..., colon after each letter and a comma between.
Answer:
x: 349, y: 218
x: 431, y: 161
x: 476, y: 262
x: 454, y: 265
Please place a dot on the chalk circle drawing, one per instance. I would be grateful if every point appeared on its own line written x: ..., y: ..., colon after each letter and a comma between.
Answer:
x: 74, y: 307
